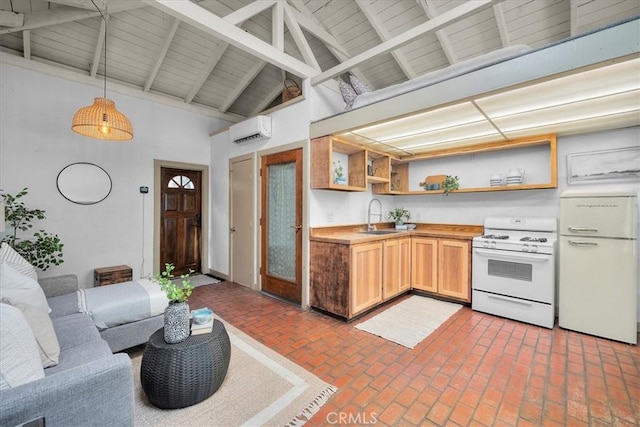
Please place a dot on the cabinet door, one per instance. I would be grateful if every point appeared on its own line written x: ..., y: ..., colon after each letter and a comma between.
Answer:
x: 424, y: 264
x: 366, y: 276
x: 391, y: 268
x: 405, y: 264
x: 454, y: 258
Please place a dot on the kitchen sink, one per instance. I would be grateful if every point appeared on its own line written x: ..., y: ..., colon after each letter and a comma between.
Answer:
x: 380, y: 232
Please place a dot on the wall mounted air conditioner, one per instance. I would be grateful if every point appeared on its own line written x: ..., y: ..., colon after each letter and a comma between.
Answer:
x: 253, y: 129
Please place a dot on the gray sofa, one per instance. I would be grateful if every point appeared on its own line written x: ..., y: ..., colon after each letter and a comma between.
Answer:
x: 90, y: 386
x: 62, y: 299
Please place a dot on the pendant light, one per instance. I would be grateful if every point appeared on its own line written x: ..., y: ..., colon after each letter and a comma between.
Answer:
x: 101, y: 120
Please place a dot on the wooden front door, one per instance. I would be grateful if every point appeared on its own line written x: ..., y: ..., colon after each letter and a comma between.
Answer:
x: 180, y: 219
x: 281, y: 224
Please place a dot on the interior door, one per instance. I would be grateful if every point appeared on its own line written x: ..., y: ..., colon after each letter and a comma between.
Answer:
x: 180, y: 219
x: 281, y: 225
x: 241, y: 224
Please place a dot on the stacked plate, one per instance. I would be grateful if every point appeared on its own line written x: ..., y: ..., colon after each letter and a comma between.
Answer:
x: 514, y: 180
x: 496, y: 182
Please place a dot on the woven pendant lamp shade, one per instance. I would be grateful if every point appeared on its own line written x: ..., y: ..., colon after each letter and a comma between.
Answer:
x: 101, y: 120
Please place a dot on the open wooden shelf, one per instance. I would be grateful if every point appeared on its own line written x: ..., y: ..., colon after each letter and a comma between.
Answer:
x: 391, y: 174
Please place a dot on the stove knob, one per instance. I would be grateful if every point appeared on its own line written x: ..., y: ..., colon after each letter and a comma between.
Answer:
x: 525, y: 248
x: 534, y: 248
x: 493, y: 245
x: 485, y: 244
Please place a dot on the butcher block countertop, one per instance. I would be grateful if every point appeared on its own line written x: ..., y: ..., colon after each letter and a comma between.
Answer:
x: 353, y: 234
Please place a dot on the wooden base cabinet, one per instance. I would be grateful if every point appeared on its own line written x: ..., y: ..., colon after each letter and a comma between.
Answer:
x: 396, y: 268
x: 345, y: 280
x: 366, y: 276
x: 442, y: 266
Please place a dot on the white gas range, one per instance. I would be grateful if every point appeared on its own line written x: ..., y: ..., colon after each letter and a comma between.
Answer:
x: 514, y: 269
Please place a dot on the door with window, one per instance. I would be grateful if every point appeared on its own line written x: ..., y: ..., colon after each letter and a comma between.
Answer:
x: 281, y: 225
x: 180, y: 219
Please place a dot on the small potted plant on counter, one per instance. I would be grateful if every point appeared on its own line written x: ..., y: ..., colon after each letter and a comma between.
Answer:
x: 399, y: 215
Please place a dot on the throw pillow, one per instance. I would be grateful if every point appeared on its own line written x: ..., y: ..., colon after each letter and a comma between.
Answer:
x: 358, y: 86
x: 21, y: 288
x: 8, y: 254
x: 42, y: 328
x: 348, y: 94
x: 19, y: 360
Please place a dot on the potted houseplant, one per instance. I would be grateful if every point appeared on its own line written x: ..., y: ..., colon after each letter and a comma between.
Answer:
x: 44, y: 249
x: 399, y: 215
x: 450, y: 184
x: 176, y: 315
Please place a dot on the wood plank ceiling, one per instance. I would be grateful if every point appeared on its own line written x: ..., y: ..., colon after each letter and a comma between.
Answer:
x: 229, y: 58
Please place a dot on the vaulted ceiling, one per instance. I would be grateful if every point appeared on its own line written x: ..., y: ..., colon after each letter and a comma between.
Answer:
x: 229, y: 58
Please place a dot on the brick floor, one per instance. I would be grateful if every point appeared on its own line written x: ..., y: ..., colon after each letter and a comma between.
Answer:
x: 476, y: 369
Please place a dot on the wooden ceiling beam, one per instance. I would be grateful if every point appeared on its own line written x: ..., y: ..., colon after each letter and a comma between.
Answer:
x: 82, y: 4
x: 441, y: 35
x: 299, y: 38
x: 277, y: 26
x: 212, y: 24
x: 246, y: 80
x: 312, y: 24
x: 441, y: 21
x: 26, y: 44
x: 268, y: 99
x: 379, y: 27
x: 168, y: 39
x: 97, y: 52
x: 502, y: 25
x: 64, y: 14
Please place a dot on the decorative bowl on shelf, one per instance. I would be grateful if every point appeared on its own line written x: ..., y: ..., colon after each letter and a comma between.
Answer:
x: 411, y: 226
x: 202, y: 315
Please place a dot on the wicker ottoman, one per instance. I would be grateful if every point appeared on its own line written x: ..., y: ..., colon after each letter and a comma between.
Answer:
x: 179, y: 375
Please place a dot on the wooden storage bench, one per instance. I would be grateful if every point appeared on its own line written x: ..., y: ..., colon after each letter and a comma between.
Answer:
x: 110, y: 275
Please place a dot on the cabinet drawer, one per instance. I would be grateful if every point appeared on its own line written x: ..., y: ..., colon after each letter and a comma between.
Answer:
x: 110, y: 275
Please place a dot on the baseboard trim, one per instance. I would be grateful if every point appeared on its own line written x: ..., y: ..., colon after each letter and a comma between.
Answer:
x: 217, y: 274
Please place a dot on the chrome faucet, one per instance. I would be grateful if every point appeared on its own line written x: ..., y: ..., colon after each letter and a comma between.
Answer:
x: 370, y: 226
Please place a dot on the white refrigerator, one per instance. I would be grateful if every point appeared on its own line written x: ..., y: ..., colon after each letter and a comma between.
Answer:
x: 598, y: 263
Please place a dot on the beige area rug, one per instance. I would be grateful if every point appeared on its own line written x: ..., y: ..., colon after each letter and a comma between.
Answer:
x: 410, y: 321
x: 262, y: 388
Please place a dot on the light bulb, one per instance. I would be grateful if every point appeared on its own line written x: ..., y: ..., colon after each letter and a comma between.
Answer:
x: 104, y: 127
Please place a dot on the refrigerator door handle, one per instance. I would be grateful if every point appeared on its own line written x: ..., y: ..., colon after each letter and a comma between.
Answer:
x: 577, y: 243
x: 583, y: 230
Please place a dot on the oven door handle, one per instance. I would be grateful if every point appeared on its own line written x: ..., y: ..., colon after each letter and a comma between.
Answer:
x: 510, y: 256
x: 513, y: 300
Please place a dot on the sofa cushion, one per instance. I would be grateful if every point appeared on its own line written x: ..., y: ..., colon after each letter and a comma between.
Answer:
x: 19, y: 359
x: 8, y: 254
x: 80, y: 355
x: 42, y: 329
x: 63, y: 305
x: 21, y: 288
x: 74, y: 330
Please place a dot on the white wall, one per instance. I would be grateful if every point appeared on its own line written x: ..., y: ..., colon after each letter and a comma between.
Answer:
x: 36, y: 142
x: 289, y: 125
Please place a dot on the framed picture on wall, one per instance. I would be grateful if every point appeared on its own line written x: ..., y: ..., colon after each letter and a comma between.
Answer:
x: 616, y: 165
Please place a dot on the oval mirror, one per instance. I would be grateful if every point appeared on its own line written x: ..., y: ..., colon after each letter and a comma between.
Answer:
x: 84, y: 183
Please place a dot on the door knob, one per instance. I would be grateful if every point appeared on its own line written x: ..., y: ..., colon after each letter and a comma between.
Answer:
x: 296, y: 227
x: 232, y: 229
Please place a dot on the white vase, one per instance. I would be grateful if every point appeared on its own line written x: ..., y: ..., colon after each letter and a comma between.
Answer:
x: 176, y: 322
